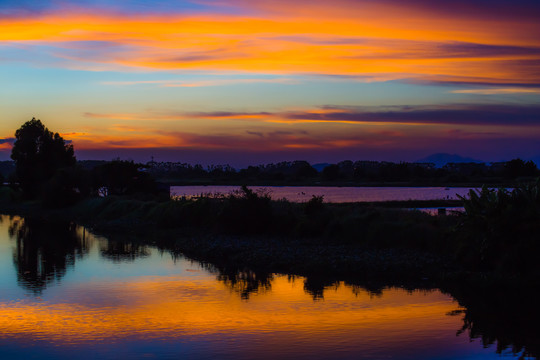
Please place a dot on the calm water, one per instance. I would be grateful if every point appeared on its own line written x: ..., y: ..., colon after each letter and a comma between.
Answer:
x: 66, y: 293
x: 333, y: 194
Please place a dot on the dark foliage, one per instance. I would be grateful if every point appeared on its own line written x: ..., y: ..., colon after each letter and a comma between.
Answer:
x: 120, y: 177
x: 246, y: 212
x: 348, y: 172
x: 519, y: 168
x: 330, y: 172
x: 38, y: 153
x: 499, y: 231
x: 66, y: 187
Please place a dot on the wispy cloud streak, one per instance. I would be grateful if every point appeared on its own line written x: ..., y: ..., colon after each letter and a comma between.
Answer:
x: 498, y: 91
x: 201, y: 83
x: 478, y: 115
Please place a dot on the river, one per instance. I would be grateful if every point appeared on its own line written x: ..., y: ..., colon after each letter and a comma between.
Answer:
x: 330, y: 194
x: 66, y: 293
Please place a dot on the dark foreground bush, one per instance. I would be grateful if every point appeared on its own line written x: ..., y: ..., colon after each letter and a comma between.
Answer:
x: 500, y: 230
x: 246, y: 212
x: 8, y: 195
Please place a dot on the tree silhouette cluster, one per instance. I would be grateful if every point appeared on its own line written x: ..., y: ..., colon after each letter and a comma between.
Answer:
x: 38, y: 154
x: 120, y: 177
x: 46, y: 169
x: 347, y: 171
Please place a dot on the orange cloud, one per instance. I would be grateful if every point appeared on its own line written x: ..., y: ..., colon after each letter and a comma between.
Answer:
x: 381, y: 42
x: 500, y: 91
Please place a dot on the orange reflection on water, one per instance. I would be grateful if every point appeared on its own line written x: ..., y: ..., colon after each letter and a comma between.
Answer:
x: 175, y: 307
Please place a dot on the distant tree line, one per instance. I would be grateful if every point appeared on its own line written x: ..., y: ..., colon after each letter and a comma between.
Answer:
x: 44, y: 167
x: 301, y: 171
x: 349, y: 171
x: 283, y: 171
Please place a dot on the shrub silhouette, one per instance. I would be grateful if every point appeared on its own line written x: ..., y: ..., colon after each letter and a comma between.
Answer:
x: 246, y: 211
x: 499, y: 229
x: 314, y: 205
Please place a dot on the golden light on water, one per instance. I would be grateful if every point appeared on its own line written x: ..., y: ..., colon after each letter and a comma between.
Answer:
x: 173, y: 307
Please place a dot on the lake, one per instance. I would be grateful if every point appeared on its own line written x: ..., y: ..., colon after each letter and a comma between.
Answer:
x: 66, y: 293
x: 331, y: 194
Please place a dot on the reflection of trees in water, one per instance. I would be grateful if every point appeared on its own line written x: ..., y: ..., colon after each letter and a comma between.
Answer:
x: 494, y: 315
x: 244, y: 282
x: 316, y: 286
x: 44, y: 250
x: 505, y: 318
x: 247, y: 282
x: 122, y: 250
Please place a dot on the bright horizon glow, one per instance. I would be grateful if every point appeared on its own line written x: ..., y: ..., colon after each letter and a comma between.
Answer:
x: 314, y: 80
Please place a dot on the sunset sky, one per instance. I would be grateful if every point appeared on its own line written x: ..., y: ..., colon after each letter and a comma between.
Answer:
x: 248, y: 82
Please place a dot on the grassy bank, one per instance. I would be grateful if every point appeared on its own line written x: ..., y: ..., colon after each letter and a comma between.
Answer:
x: 249, y: 229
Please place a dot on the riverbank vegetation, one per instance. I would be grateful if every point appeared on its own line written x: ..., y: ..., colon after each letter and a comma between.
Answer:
x: 496, y: 235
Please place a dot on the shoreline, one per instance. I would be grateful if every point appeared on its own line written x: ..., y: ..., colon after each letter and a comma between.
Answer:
x: 384, y: 239
x: 394, y: 252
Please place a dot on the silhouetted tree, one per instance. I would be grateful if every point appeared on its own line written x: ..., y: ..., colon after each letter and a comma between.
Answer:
x: 302, y: 169
x: 331, y: 172
x: 121, y: 177
x: 346, y: 168
x: 38, y: 153
x: 517, y: 167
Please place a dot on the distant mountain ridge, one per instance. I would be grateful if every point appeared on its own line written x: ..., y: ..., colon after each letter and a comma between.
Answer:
x: 442, y: 159
x: 320, y: 166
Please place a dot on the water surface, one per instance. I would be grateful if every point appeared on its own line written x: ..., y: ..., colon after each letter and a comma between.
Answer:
x: 331, y: 194
x: 66, y: 293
